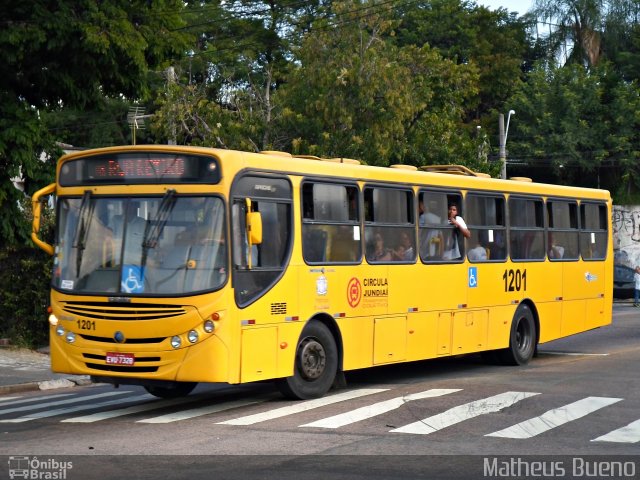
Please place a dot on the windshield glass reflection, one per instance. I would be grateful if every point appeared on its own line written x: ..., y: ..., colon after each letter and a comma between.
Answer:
x: 140, y: 246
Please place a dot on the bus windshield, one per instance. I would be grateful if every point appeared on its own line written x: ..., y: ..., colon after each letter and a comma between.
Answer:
x: 164, y: 245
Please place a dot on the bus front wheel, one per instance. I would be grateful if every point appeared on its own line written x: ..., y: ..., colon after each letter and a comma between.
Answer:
x: 316, y: 364
x: 522, y: 339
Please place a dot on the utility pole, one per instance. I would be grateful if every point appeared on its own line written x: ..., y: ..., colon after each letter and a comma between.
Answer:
x: 503, y: 142
x: 503, y: 147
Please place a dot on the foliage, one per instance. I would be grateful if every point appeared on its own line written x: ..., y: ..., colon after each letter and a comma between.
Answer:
x: 68, y: 54
x: 24, y: 284
x: 580, y: 126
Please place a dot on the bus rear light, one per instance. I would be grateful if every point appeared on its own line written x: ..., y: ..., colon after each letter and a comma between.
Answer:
x: 60, y: 330
x: 248, y: 322
x: 209, y: 326
x: 53, y: 320
x: 176, y: 341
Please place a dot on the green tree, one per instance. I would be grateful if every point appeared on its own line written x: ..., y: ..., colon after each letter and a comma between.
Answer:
x: 578, y: 126
x: 577, y: 25
x: 69, y: 54
x: 223, y: 92
x: 357, y: 94
x: 495, y: 42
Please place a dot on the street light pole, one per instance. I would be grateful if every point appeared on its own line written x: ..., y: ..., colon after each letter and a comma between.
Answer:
x: 503, y: 141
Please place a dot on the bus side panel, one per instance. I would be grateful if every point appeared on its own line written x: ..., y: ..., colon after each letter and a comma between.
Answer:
x: 550, y: 317
x: 389, y: 340
x: 500, y: 326
x: 423, y: 333
x: 259, y: 353
x: 357, y: 337
x: 470, y: 331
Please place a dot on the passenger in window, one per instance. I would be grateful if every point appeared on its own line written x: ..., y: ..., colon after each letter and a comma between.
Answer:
x: 477, y: 253
x: 380, y: 253
x: 404, y: 252
x: 555, y: 251
x: 452, y: 248
x: 431, y: 244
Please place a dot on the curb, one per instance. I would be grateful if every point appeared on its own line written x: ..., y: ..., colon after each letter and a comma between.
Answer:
x: 45, y: 385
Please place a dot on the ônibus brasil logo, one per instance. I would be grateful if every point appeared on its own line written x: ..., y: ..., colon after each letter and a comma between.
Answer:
x: 354, y: 292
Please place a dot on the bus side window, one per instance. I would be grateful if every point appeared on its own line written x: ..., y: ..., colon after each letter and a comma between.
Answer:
x: 331, y: 226
x: 593, y: 231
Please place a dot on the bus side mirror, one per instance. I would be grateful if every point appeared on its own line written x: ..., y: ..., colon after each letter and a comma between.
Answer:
x: 37, y: 209
x: 254, y: 228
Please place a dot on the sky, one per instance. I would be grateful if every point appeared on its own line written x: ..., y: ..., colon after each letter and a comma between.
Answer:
x: 520, y: 6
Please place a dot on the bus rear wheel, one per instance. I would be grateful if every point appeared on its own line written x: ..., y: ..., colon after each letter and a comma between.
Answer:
x: 179, y: 389
x: 316, y: 364
x: 522, y: 339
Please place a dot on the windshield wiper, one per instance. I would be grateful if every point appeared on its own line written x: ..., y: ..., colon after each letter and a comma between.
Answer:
x: 153, y: 229
x: 82, y: 230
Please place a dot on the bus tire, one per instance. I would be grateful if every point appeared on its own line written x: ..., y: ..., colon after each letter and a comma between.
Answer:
x: 180, y: 389
x: 316, y: 364
x: 522, y: 339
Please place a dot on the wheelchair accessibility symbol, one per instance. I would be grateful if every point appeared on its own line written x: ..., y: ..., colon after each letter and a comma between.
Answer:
x: 132, y: 279
x: 473, y: 277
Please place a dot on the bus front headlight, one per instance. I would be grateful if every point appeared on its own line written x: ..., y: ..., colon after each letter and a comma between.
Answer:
x: 176, y: 341
x: 192, y: 336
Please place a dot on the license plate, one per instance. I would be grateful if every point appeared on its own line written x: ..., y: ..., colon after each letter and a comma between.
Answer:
x: 120, y: 358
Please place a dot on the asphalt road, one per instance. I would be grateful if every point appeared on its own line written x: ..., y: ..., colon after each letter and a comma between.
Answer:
x: 574, y: 408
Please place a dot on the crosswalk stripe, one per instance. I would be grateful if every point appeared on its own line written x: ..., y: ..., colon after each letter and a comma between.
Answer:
x: 302, y: 407
x: 554, y: 418
x: 6, y: 399
x: 197, y: 412
x: 77, y: 408
x: 379, y: 408
x: 464, y: 412
x: 627, y: 434
x: 60, y: 402
x: 21, y: 400
x: 153, y: 405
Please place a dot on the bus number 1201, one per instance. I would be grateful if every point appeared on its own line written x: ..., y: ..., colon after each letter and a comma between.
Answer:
x: 515, y: 280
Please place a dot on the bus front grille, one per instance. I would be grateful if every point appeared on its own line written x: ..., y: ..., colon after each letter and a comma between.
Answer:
x: 134, y: 311
x: 93, y: 338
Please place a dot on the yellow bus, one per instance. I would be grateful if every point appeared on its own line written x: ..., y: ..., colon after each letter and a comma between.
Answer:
x: 177, y: 265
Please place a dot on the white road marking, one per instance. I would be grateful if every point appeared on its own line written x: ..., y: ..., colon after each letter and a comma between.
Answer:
x: 302, y: 407
x: 153, y: 405
x: 628, y: 434
x: 197, y: 412
x: 77, y: 408
x: 6, y: 399
x: 464, y: 412
x: 575, y: 354
x: 20, y: 400
x: 76, y: 399
x: 555, y: 418
x: 376, y: 409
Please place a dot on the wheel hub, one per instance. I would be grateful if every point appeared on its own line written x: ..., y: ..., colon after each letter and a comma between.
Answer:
x: 313, y: 359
